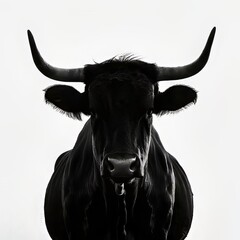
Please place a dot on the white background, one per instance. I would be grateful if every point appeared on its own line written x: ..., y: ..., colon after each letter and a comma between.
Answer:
x: 204, y: 137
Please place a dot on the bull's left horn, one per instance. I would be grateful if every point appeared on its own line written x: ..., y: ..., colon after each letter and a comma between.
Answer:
x: 175, y: 73
x: 60, y: 74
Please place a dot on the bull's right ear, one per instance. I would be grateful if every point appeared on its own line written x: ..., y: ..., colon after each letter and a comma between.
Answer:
x: 68, y: 100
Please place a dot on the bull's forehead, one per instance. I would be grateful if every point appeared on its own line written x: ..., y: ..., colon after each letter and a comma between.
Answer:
x: 121, y: 90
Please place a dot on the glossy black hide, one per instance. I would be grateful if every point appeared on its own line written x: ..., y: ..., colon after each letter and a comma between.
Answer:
x: 83, y: 198
x: 160, y: 204
x: 118, y: 182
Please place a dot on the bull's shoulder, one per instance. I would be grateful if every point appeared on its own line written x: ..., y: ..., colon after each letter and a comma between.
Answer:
x: 164, y: 163
x: 159, y: 166
x: 61, y: 160
x: 183, y: 207
x: 180, y: 174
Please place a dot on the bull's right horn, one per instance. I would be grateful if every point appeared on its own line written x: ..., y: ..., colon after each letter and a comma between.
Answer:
x: 175, y: 73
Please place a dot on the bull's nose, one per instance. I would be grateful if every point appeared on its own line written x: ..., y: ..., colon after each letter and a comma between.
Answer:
x: 122, y: 168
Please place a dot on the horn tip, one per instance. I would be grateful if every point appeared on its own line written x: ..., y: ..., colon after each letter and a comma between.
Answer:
x: 30, y: 36
x: 213, y: 31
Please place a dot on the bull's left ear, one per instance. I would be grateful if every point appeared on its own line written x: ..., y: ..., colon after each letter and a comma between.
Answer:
x: 68, y: 100
x: 173, y: 99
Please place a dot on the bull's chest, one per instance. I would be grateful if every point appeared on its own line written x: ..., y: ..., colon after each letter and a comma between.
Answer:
x: 119, y: 217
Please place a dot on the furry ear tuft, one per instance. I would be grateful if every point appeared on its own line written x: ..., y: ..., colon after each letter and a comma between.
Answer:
x: 67, y: 100
x: 174, y: 99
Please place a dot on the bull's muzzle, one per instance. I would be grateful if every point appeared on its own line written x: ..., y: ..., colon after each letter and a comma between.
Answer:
x: 122, y: 168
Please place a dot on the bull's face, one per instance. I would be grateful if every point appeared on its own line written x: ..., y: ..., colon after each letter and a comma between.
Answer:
x: 120, y: 96
x: 121, y: 108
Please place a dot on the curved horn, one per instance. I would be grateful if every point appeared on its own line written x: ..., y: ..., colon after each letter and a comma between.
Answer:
x: 60, y: 74
x: 174, y: 73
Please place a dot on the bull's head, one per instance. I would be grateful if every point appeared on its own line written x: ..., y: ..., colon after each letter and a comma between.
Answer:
x: 120, y: 95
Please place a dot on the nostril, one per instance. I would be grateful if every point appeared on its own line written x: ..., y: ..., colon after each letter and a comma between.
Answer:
x: 121, y: 167
x: 110, y: 166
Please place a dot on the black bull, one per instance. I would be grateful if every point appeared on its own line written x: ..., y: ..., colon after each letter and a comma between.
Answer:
x: 118, y: 181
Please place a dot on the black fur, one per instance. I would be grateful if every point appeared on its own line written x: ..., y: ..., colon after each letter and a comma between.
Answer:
x: 124, y: 68
x: 125, y: 63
